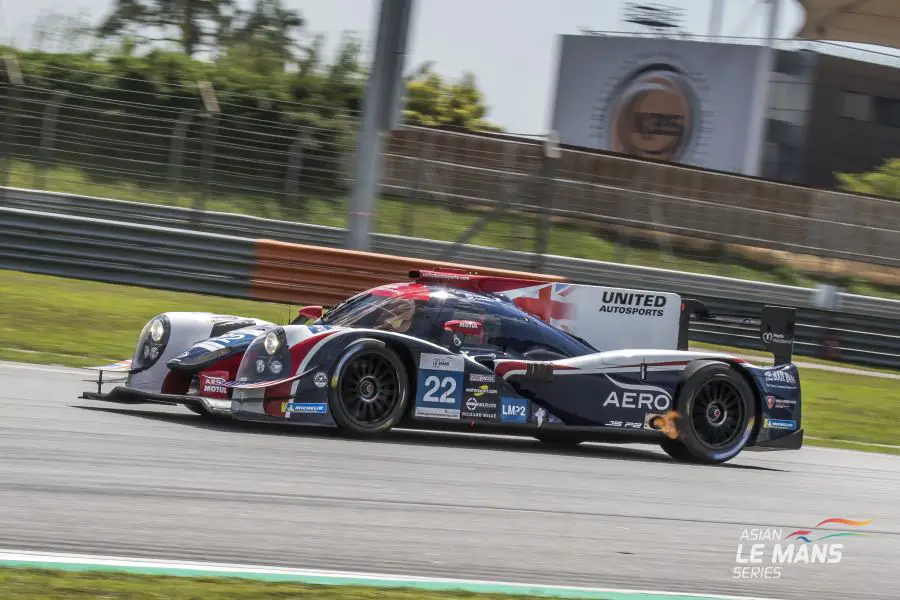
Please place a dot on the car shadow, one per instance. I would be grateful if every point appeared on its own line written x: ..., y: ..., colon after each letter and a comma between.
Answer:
x: 417, y: 438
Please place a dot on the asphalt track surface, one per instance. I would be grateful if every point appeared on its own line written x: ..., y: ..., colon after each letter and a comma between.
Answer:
x: 89, y: 477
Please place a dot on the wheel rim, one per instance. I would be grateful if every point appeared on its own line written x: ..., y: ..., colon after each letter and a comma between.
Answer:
x: 369, y: 390
x: 719, y: 414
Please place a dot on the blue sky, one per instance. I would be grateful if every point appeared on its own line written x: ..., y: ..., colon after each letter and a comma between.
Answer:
x: 509, y: 44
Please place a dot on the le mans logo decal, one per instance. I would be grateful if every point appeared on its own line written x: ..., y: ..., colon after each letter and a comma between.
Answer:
x: 763, y: 553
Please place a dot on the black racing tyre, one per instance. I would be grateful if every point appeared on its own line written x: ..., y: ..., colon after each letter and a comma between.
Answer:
x: 558, y: 438
x: 198, y: 409
x: 716, y: 415
x: 371, y: 389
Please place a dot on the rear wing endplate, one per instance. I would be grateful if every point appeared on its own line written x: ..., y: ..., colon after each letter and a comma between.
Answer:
x: 776, y: 327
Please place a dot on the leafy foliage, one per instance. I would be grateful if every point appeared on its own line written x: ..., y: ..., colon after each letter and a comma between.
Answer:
x: 192, y: 24
x: 883, y: 181
x: 434, y: 102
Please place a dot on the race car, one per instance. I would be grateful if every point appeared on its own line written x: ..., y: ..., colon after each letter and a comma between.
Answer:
x: 564, y: 363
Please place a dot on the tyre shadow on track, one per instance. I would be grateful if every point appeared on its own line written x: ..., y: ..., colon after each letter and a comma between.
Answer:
x: 416, y: 437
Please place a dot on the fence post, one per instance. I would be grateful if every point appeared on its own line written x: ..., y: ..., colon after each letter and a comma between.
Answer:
x: 211, y: 108
x: 16, y: 81
x: 547, y: 188
x: 421, y: 168
x: 48, y: 137
x: 176, y: 150
x: 295, y: 167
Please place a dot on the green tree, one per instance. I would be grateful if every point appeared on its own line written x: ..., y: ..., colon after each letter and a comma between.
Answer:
x: 883, y: 181
x: 194, y: 25
x: 433, y: 102
x: 267, y: 33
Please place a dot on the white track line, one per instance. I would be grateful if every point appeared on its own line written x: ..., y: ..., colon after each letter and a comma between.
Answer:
x: 52, y: 558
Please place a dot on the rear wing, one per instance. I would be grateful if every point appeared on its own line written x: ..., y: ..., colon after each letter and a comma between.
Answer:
x: 776, y: 327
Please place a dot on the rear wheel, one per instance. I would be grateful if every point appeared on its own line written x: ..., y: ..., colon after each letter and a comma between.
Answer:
x: 371, y: 390
x: 716, y: 415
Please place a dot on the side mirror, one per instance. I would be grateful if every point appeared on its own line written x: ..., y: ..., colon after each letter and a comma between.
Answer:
x: 461, y: 329
x: 310, y: 312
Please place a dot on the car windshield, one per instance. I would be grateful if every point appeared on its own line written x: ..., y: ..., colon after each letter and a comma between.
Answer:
x: 375, y: 312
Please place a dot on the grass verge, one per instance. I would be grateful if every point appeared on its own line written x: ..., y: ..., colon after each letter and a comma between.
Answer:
x: 41, y: 584
x: 77, y: 323
x: 438, y: 221
x: 767, y: 358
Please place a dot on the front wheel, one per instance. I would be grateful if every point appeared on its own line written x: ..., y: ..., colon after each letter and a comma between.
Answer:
x: 716, y: 415
x: 371, y: 390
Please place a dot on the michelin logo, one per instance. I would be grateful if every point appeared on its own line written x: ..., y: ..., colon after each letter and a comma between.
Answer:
x: 646, y: 397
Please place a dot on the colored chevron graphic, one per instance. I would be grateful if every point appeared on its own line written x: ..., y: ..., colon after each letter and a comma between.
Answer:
x: 802, y: 534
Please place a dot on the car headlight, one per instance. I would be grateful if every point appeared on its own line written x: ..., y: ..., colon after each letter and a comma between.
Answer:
x: 272, y: 343
x: 151, y: 343
x: 157, y: 330
x: 268, y: 357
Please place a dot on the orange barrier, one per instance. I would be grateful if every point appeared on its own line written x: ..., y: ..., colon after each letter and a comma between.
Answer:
x: 299, y: 274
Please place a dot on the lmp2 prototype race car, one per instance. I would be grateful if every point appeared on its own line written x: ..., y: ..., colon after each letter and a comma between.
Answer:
x: 449, y: 350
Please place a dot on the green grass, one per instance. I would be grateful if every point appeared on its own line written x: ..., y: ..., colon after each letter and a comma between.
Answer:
x: 41, y: 584
x: 438, y: 222
x: 79, y: 323
x: 838, y: 406
x: 800, y: 359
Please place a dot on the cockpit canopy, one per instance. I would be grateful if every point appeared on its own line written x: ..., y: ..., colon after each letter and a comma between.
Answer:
x: 421, y: 310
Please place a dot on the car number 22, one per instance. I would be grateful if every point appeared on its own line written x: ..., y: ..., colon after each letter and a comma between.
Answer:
x: 439, y: 390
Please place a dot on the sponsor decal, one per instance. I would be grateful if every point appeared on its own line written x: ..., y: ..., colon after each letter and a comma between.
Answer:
x: 482, y: 378
x: 766, y: 552
x: 212, y: 384
x: 632, y: 303
x: 779, y: 424
x: 775, y: 402
x: 513, y: 410
x: 437, y: 413
x: 441, y: 362
x: 440, y: 386
x: 541, y: 415
x: 776, y: 338
x: 481, y: 390
x: 304, y: 407
x: 479, y: 408
x: 320, y: 379
x: 643, y: 397
x: 780, y: 377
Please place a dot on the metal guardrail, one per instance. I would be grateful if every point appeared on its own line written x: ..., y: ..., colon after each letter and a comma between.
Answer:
x: 166, y: 248
x: 115, y: 252
x: 576, y: 269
